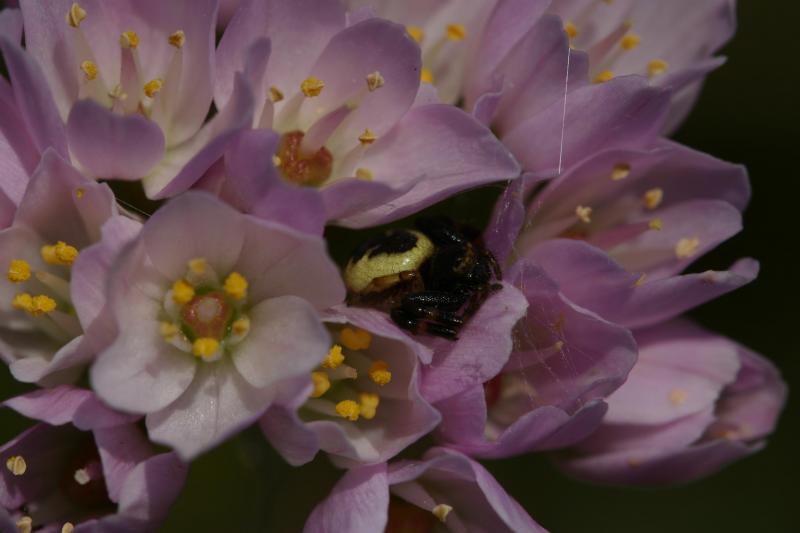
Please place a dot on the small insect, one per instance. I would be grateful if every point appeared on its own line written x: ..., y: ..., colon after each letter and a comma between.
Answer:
x: 431, y: 279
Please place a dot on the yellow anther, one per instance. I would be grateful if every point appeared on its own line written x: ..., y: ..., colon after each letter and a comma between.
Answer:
x: 334, y: 358
x: 558, y: 346
x: 369, y: 404
x: 276, y: 161
x: 441, y: 511
x: 639, y: 282
x: 426, y: 76
x: 630, y: 41
x: 348, y: 409
x: 620, y: 172
x: 34, y: 305
x: 168, y: 330
x: 25, y: 524
x: 22, y: 301
x: 604, y: 76
x: 456, y: 32
x: 312, y: 86
x: 584, y: 213
x: 152, y: 87
x: 655, y: 224
x: 16, y: 465
x: 129, y: 39
x: 19, y: 270
x: 67, y: 527
x: 657, y: 67
x: 375, y: 81
x: 117, y: 93
x: 198, y: 265
x: 241, y: 326
x: 571, y: 30
x: 177, y: 39
x: 79, y: 192
x: 275, y: 94
x: 236, y: 286
x: 355, y: 338
x: 364, y: 174
x: 75, y: 15
x: 678, y: 397
x: 321, y: 384
x: 379, y: 372
x: 60, y: 253
x: 687, y: 247
x: 653, y: 197
x: 89, y: 70
x: 368, y: 137
x: 182, y: 292
x: 205, y: 347
x: 416, y: 33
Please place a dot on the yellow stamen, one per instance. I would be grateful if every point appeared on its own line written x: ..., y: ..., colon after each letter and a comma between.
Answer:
x: 334, y: 358
x: 441, y: 511
x: 653, y: 197
x: 655, y: 224
x: 368, y: 137
x: 348, y: 409
x: 678, y: 397
x: 182, y: 292
x: 75, y: 15
x: 241, y: 326
x: 426, y: 76
x: 89, y: 70
x: 25, y: 524
x: 369, y: 404
x: 236, y: 286
x: 620, y: 172
x: 276, y: 161
x: 79, y: 192
x: 59, y: 253
x: 584, y: 213
x: 205, y: 347
x: 152, y: 87
x: 312, y: 87
x: 275, y: 94
x: 67, y: 527
x: 19, y: 270
x: 22, y: 301
x: 416, y: 33
x: 16, y: 465
x: 321, y: 384
x: 34, y: 305
x: 604, y: 76
x: 129, y: 39
x: 687, y: 247
x: 379, y: 372
x: 117, y: 93
x: 198, y: 265
x: 630, y: 41
x: 375, y: 81
x: 571, y: 30
x: 657, y: 67
x: 168, y: 330
x: 355, y: 338
x: 364, y: 174
x: 177, y: 39
x: 456, y: 32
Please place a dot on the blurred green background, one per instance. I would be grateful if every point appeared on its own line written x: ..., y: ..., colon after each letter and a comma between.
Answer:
x: 748, y: 113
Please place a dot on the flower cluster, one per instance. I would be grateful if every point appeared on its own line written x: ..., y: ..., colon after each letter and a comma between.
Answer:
x: 556, y: 327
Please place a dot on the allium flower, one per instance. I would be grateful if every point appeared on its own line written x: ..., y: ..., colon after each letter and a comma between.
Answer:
x: 345, y: 101
x: 693, y: 403
x: 444, y: 492
x: 550, y: 393
x: 55, y: 258
x: 365, y: 405
x: 132, y: 80
x: 216, y: 314
x: 84, y: 468
x: 671, y: 43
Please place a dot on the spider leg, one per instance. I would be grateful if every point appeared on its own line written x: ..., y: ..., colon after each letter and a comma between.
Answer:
x: 417, y: 325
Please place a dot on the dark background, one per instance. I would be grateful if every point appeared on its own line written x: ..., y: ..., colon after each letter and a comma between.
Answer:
x: 748, y: 114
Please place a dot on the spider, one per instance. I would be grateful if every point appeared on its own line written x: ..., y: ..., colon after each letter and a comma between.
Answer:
x: 431, y: 279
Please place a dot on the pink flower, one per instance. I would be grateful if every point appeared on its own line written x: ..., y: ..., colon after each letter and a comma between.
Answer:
x: 216, y: 313
x: 56, y: 257
x: 84, y: 466
x: 364, y: 405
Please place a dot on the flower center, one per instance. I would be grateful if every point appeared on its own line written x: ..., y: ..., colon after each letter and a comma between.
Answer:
x: 207, y: 315
x: 302, y: 167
